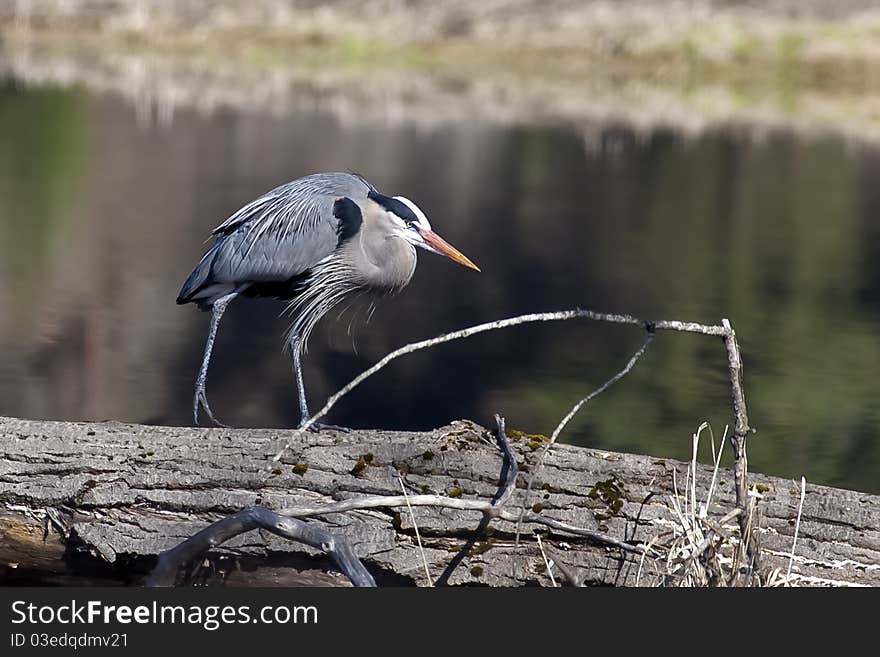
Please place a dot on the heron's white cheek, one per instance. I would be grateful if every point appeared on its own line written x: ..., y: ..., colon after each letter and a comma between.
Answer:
x: 412, y: 237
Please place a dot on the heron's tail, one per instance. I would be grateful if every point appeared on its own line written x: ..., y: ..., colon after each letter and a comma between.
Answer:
x: 200, y: 286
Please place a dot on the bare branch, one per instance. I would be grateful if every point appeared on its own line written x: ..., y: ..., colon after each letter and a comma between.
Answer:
x: 562, y: 315
x: 259, y: 517
x: 483, y: 506
x: 741, y: 431
x: 598, y: 391
x: 508, y: 483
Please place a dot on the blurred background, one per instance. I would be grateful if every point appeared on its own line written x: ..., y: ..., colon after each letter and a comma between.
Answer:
x: 676, y: 160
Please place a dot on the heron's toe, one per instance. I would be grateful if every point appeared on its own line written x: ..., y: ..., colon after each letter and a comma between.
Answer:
x: 201, y: 399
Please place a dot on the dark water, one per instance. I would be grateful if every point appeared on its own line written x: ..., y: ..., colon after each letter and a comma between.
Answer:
x: 102, y: 218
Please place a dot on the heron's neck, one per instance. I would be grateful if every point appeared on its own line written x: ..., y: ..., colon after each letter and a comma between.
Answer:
x: 387, y: 262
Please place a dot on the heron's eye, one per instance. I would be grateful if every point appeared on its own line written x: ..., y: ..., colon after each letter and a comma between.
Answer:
x: 411, y: 225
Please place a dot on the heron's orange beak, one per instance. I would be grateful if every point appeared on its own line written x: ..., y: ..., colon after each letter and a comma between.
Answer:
x: 445, y: 248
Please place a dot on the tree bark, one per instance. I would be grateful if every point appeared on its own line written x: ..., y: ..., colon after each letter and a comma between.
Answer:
x: 95, y: 503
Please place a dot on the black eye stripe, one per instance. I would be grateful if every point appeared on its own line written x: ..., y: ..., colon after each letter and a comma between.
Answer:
x: 399, y: 208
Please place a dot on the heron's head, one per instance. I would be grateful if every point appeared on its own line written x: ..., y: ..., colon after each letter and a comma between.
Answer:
x: 411, y: 224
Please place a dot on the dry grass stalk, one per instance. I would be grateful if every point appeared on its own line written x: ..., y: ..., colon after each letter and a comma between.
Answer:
x: 702, y: 552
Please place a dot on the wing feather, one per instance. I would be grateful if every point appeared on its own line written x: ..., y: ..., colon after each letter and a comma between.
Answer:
x: 283, y: 233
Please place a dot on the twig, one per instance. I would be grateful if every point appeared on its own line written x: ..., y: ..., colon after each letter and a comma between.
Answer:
x: 259, y: 517
x: 738, y: 437
x: 797, y: 525
x: 746, y: 556
x: 487, y: 508
x: 598, y: 391
x: 416, y: 527
x: 508, y: 484
x: 671, y: 325
x: 547, y: 562
x: 509, y: 471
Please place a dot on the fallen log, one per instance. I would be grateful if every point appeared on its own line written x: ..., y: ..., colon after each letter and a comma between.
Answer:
x: 96, y: 503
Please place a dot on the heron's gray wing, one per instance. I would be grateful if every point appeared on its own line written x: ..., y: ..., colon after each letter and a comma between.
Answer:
x: 286, y: 231
x: 302, y: 190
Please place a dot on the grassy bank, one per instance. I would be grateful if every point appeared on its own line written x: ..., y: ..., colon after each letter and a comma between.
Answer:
x: 687, y: 66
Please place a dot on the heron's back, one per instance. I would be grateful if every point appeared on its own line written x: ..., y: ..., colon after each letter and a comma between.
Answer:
x: 271, y: 244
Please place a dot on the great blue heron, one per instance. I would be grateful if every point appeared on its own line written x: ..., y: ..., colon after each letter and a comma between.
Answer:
x: 313, y: 241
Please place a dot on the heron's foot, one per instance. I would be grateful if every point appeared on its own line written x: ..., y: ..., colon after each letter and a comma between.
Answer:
x: 315, y: 427
x: 201, y: 398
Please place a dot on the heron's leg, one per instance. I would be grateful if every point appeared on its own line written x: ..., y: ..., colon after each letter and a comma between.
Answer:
x: 295, y: 344
x: 217, y: 310
x: 300, y: 386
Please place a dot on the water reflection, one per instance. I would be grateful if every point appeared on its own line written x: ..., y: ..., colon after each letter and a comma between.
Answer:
x: 102, y: 217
